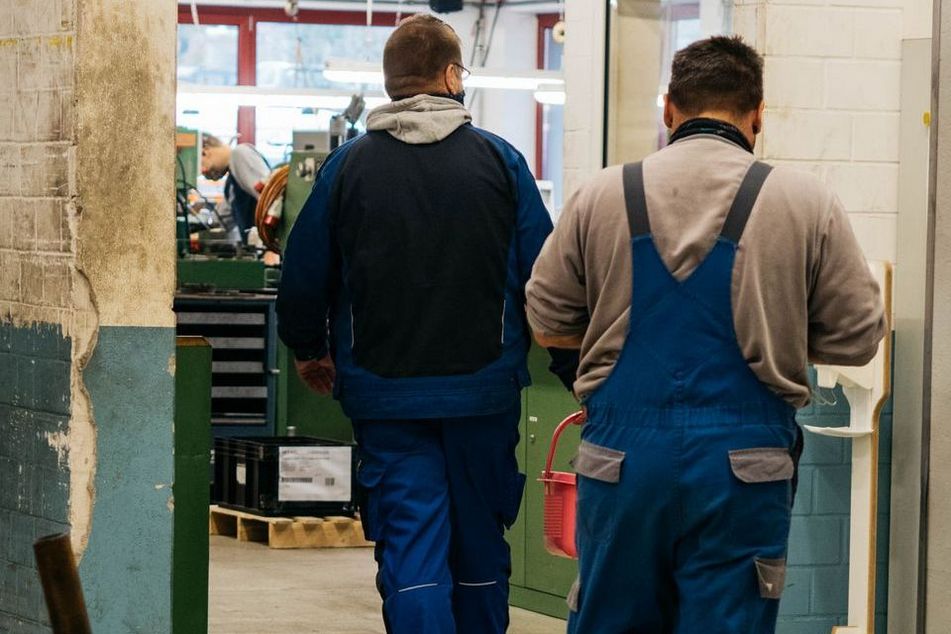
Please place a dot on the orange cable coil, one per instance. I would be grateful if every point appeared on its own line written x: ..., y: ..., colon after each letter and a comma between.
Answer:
x: 267, y: 214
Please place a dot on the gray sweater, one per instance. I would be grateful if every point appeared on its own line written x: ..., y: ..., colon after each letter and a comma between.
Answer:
x: 802, y: 289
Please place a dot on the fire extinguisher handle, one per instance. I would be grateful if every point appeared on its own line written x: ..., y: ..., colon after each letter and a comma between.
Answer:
x: 574, y: 419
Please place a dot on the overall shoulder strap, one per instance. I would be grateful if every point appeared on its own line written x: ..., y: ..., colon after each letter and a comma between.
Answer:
x: 635, y: 200
x: 745, y: 200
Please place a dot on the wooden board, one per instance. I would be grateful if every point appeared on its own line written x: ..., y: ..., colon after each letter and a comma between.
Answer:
x: 287, y: 532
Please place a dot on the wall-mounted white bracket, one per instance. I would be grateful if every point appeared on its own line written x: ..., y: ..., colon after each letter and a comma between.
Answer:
x: 866, y: 388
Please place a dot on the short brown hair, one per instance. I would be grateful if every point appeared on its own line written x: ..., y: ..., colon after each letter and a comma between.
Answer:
x: 719, y: 73
x: 210, y: 140
x: 417, y: 53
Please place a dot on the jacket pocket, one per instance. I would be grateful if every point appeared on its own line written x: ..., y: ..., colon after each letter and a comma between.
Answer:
x: 772, y: 577
x: 598, y: 463
x: 763, y: 464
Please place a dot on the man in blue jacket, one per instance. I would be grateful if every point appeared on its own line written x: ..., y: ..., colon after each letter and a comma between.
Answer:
x: 403, y: 293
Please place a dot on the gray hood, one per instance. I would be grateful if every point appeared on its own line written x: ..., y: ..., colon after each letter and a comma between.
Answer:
x: 420, y: 119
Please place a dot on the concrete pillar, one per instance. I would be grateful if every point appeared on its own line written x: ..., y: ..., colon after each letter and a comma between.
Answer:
x: 937, y: 353
x: 87, y: 91
x: 584, y: 64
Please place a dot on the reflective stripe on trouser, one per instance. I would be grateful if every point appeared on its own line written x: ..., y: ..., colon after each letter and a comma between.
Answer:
x: 687, y: 460
x: 439, y: 494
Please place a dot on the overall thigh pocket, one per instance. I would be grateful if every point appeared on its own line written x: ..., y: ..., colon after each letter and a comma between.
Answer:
x: 761, y: 495
x: 599, y: 469
x: 369, y: 478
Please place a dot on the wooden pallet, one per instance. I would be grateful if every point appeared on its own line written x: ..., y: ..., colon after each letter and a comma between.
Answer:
x: 287, y: 532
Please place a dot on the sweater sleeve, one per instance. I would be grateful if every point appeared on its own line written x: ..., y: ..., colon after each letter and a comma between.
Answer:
x: 846, y: 314
x: 248, y: 168
x: 556, y: 294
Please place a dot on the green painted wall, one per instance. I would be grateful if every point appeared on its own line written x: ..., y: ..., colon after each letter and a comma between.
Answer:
x: 34, y: 477
x: 126, y: 569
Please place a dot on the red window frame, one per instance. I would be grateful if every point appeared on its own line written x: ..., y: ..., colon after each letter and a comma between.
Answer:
x: 545, y: 21
x: 246, y: 20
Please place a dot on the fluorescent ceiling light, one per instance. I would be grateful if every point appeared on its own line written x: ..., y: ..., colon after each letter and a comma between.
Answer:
x: 196, y: 96
x: 354, y: 72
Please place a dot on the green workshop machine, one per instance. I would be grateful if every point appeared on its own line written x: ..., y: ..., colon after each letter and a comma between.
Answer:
x: 227, y: 295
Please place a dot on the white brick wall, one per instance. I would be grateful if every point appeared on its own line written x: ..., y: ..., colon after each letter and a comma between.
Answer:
x: 832, y: 96
x: 37, y: 70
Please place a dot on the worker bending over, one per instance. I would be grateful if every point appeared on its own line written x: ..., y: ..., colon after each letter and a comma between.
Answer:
x: 246, y: 170
x: 417, y: 242
x: 698, y: 285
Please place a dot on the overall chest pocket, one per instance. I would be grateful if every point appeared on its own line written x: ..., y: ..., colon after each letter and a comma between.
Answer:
x: 599, y: 469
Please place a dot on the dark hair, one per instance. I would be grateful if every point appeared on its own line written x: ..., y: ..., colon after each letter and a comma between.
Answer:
x: 209, y: 140
x: 417, y: 53
x: 719, y: 73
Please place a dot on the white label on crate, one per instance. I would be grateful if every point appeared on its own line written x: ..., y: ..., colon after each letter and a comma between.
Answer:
x: 241, y: 473
x: 315, y: 474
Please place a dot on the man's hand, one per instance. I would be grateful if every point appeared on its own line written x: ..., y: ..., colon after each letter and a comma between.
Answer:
x: 317, y: 374
x: 271, y: 258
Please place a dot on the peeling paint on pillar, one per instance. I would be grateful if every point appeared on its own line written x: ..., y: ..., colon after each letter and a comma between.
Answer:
x: 125, y: 232
x: 126, y: 569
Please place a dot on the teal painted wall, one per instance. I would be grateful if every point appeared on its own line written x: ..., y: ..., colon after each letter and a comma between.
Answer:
x: 816, y: 594
x: 34, y: 480
x: 126, y: 569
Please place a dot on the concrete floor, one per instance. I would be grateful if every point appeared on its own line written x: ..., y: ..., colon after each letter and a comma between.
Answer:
x: 256, y: 590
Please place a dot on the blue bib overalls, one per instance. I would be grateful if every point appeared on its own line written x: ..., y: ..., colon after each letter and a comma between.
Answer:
x: 687, y: 460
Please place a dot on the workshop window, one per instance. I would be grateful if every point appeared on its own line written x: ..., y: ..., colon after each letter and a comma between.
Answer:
x: 208, y: 54
x: 293, y: 55
x: 634, y: 122
x: 550, y: 128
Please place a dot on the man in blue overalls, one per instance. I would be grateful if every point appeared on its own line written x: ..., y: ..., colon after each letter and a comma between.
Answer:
x: 698, y: 285
x: 417, y: 242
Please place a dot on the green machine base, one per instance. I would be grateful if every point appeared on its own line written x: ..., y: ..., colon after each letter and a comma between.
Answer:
x: 224, y: 273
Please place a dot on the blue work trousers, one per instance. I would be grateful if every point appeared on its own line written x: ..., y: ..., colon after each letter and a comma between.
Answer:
x: 439, y: 495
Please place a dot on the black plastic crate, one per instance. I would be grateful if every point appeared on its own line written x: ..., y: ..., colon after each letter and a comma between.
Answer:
x: 292, y: 475
x: 223, y: 472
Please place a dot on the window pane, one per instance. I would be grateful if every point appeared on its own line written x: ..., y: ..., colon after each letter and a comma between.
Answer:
x: 553, y: 52
x: 293, y: 55
x: 553, y: 127
x: 641, y: 48
x: 275, y: 126
x: 208, y: 54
